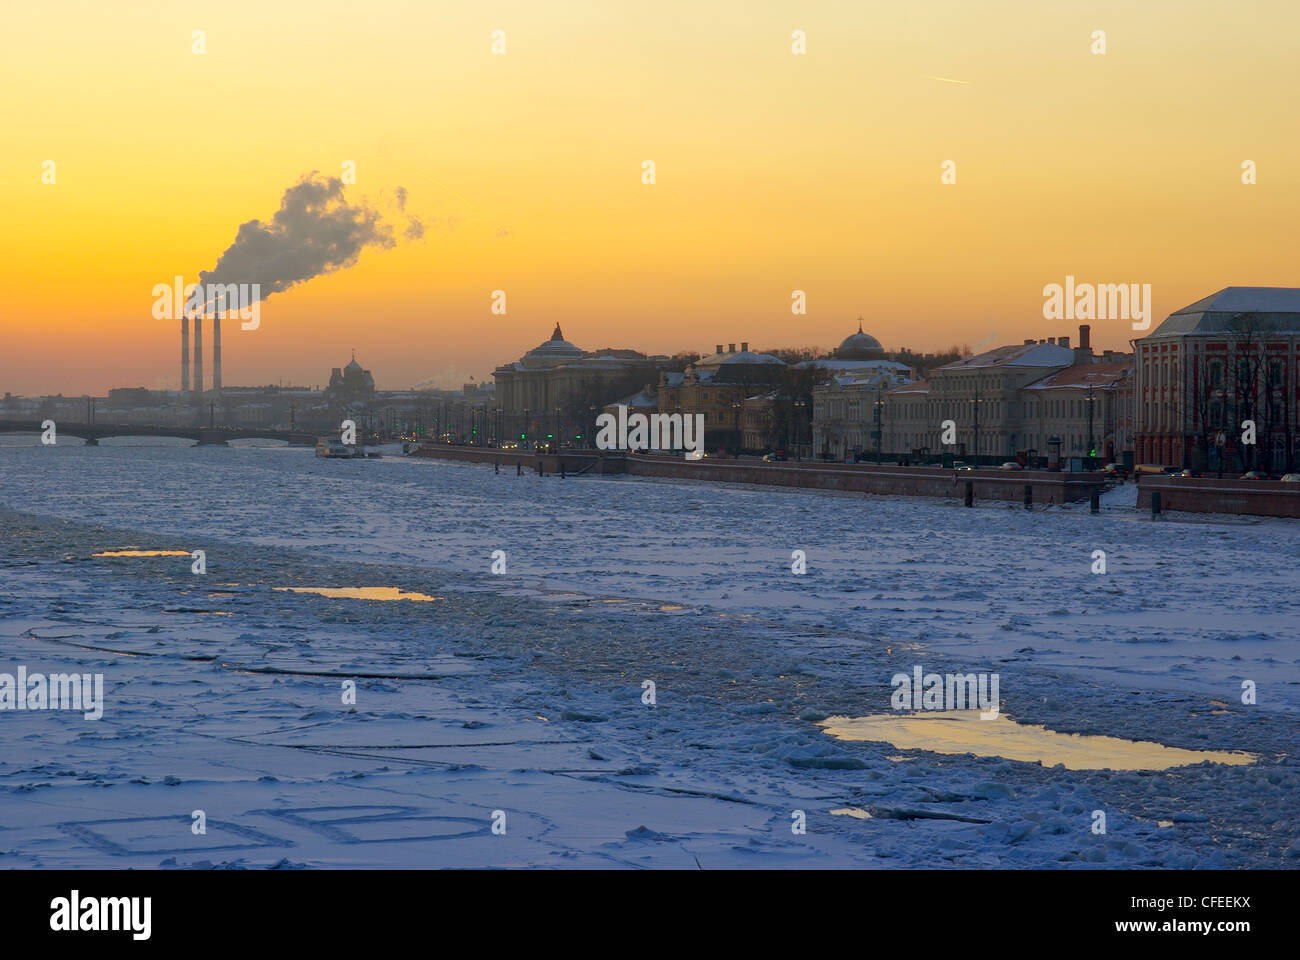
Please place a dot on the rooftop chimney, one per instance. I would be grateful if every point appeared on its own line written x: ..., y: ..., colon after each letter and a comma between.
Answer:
x: 185, y: 353
x: 1029, y: 340
x: 1085, y: 336
x: 731, y: 348
x: 719, y: 350
x: 1051, y: 340
x: 744, y: 347
x: 1063, y: 342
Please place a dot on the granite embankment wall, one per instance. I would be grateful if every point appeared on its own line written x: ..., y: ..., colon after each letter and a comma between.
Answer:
x: 1260, y: 498
x: 1045, y: 486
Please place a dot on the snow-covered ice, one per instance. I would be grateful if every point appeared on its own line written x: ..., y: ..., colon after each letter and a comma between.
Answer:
x: 523, y: 693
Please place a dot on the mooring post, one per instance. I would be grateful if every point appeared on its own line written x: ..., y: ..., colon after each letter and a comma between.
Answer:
x: 1155, y: 503
x: 1094, y: 502
x: 496, y: 466
x: 970, y: 493
x: 1029, y: 496
x: 561, y: 469
x: 519, y: 468
x: 539, y: 466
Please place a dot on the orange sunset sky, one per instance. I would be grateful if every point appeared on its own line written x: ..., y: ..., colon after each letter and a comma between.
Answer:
x: 775, y: 172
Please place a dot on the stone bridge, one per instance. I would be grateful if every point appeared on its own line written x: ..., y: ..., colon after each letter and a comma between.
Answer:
x: 92, y: 433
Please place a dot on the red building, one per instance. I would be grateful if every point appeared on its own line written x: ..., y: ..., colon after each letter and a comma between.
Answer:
x: 1209, y: 368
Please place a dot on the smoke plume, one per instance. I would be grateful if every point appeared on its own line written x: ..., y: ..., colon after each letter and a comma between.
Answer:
x: 315, y: 231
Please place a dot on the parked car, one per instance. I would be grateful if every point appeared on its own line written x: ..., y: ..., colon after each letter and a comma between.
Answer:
x: 961, y: 465
x: 1116, y: 470
x: 1254, y: 475
x: 1291, y: 478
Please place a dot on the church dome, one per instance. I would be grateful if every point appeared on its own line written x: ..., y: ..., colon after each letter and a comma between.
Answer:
x: 860, y: 346
x: 554, y: 350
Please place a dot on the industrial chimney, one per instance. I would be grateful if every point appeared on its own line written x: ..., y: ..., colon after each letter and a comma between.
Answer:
x: 216, y: 345
x: 185, y: 353
x: 198, y: 353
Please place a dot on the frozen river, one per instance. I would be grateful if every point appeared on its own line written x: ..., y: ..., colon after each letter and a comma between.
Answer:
x: 524, y: 693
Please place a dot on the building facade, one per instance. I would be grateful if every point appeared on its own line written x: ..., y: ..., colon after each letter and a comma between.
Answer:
x: 718, y: 386
x: 1213, y: 366
x: 555, y: 391
x: 1013, y: 400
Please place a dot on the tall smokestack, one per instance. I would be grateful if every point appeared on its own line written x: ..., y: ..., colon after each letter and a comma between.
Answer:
x: 185, y: 353
x: 198, y: 353
x: 216, y: 351
x: 1085, y: 336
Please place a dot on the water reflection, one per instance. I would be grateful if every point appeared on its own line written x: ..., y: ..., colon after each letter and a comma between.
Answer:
x: 962, y: 731
x: 363, y: 593
x: 142, y: 553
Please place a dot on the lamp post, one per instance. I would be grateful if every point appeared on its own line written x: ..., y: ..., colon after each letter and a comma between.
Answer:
x: 524, y: 436
x: 591, y: 426
x: 879, y: 413
x: 798, y: 426
x: 1089, y: 400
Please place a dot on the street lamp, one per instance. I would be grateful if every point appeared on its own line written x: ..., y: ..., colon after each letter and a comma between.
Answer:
x: 879, y: 405
x: 977, y: 401
x: 1090, y: 400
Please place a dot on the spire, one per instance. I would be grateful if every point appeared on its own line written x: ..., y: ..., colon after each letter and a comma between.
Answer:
x: 557, y: 335
x: 859, y: 324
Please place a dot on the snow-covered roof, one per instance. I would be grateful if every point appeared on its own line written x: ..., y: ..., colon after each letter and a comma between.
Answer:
x: 738, y: 357
x: 917, y: 386
x: 1082, y: 375
x: 1270, y: 310
x: 1016, y: 355
x: 832, y: 364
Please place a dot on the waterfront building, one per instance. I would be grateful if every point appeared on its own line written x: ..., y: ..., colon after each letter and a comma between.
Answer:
x: 1214, y: 365
x: 557, y: 388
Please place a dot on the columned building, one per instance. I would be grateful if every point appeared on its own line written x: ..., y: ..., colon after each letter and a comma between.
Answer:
x: 981, y: 395
x: 1214, y: 365
x: 718, y: 387
x: 555, y: 391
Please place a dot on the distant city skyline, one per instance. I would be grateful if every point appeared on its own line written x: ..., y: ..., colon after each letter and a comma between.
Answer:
x: 775, y: 172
